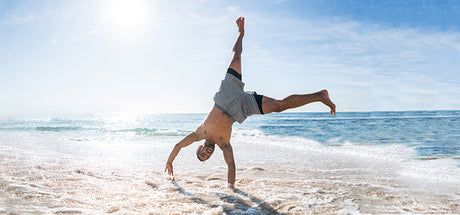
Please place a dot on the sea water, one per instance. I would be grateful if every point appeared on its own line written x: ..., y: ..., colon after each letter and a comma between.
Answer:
x: 295, y: 163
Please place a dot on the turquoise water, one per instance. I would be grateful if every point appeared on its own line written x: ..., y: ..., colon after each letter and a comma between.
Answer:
x: 432, y: 134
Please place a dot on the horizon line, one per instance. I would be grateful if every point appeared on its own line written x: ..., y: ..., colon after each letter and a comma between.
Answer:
x: 154, y: 113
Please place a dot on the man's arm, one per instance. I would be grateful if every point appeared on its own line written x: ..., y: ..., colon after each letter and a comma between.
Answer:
x: 228, y: 156
x: 189, y: 139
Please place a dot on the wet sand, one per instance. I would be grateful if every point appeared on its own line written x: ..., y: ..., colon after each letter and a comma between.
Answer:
x: 270, y: 180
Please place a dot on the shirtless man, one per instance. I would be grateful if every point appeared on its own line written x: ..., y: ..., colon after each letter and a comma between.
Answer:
x: 233, y: 104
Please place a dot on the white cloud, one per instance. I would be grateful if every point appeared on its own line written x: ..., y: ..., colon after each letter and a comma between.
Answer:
x: 85, y: 34
x: 365, y: 66
x: 233, y: 9
x: 400, y: 67
x: 279, y: 1
x: 56, y: 39
x: 17, y: 20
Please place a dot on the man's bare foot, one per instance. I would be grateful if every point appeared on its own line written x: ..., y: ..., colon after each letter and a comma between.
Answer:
x: 240, y: 24
x: 325, y: 100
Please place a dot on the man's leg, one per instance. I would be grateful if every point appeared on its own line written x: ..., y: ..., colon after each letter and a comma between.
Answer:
x: 270, y: 105
x: 237, y: 49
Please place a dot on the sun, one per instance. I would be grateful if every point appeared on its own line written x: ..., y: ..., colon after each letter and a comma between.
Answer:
x: 126, y: 16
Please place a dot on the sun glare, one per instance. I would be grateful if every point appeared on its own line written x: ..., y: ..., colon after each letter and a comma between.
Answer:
x: 126, y: 16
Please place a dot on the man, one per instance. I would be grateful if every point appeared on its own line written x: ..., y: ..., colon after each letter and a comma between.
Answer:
x: 233, y: 104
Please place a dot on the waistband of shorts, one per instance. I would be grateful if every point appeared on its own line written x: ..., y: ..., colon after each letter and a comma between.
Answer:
x: 225, y: 112
x: 234, y: 73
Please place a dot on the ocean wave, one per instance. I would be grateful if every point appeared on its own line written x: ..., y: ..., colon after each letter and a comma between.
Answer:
x: 363, y: 117
x: 409, y: 163
x: 43, y: 128
x: 372, y: 151
x: 59, y: 128
x: 288, y: 138
x: 137, y: 131
x: 156, y: 132
x: 248, y: 132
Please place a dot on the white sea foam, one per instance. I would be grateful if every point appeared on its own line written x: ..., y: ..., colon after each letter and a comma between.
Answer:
x: 401, y: 159
x: 383, y: 152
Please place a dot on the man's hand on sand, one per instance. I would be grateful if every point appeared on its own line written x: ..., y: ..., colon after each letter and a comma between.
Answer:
x: 169, y: 170
x: 240, y: 24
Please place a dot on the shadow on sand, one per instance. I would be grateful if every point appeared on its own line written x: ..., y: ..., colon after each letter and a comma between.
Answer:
x: 240, y: 205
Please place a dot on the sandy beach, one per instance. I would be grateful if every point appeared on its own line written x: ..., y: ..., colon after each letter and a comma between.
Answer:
x: 42, y: 174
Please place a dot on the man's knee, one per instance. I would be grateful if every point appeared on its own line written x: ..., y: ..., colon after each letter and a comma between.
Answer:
x: 279, y: 106
x: 270, y: 105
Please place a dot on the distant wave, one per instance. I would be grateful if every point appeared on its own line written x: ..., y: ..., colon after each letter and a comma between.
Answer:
x: 137, y: 131
x: 59, y: 128
x: 155, y: 132
x: 44, y: 128
x: 303, y: 119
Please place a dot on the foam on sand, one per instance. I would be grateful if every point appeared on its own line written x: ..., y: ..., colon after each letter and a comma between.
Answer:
x: 270, y: 180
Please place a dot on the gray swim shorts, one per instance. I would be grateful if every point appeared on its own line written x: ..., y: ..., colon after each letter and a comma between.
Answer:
x: 233, y: 101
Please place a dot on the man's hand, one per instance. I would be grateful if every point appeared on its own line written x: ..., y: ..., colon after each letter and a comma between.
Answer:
x: 240, y: 24
x: 228, y: 157
x: 189, y: 139
x: 169, y: 169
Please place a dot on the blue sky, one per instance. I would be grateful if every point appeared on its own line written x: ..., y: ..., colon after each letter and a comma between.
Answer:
x: 169, y: 56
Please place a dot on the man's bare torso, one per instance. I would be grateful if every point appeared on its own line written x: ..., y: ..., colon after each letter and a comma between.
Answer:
x: 216, y: 127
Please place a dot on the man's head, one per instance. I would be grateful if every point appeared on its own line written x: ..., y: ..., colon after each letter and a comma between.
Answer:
x: 205, y: 151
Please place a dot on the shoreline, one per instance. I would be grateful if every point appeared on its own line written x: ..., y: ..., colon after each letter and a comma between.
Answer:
x: 270, y: 179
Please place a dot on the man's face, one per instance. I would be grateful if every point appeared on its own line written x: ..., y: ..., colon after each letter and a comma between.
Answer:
x: 205, y: 152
